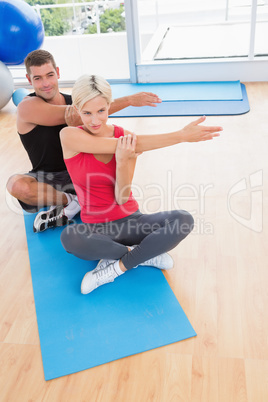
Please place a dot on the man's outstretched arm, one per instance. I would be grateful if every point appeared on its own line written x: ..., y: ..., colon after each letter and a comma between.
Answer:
x: 138, y: 99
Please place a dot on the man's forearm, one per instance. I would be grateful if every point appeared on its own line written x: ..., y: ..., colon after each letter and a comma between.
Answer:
x: 119, y: 104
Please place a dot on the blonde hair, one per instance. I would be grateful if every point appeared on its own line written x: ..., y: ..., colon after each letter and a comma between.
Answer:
x: 88, y: 87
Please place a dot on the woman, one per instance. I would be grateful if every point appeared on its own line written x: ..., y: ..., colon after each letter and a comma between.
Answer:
x: 101, y: 160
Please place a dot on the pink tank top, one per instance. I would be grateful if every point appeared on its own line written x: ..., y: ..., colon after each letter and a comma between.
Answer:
x: 94, y: 183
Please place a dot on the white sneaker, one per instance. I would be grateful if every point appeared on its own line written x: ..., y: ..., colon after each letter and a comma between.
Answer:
x: 162, y: 261
x: 98, y: 277
x: 103, y: 264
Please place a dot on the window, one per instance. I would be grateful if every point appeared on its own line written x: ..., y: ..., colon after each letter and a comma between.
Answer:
x: 84, y: 37
x: 180, y: 40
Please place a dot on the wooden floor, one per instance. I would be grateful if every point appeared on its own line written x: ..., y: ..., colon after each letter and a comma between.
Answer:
x: 220, y: 276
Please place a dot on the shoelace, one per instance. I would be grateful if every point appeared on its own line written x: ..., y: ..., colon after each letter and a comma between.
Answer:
x: 105, y: 275
x: 104, y: 263
x: 56, y: 217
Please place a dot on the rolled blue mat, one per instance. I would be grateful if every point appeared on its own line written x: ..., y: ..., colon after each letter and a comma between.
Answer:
x: 182, y: 91
x: 190, y: 108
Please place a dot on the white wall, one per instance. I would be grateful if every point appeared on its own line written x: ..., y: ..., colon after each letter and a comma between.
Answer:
x: 243, y: 70
x: 104, y: 54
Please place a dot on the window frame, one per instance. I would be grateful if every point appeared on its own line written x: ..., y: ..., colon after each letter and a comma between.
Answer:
x: 250, y: 68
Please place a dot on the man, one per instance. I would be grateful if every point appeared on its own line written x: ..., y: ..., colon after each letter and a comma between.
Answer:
x: 40, y: 117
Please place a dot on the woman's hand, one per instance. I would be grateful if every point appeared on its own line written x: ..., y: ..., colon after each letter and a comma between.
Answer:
x: 193, y: 132
x: 126, y: 148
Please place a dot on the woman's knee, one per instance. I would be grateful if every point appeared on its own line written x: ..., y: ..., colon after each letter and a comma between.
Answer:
x: 185, y: 222
x: 187, y: 219
x: 71, y: 237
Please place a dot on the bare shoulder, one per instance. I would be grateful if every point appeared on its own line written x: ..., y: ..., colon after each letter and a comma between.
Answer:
x: 70, y: 134
x: 29, y: 108
x: 69, y: 131
x: 25, y: 105
x: 25, y: 114
x: 28, y: 102
x: 33, y: 110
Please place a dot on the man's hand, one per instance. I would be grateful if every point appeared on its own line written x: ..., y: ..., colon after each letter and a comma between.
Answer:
x: 138, y: 99
x: 72, y: 117
x: 144, y: 99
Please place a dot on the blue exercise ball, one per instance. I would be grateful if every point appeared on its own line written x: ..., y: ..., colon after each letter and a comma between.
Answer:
x: 21, y: 31
x: 18, y: 95
x: 6, y: 85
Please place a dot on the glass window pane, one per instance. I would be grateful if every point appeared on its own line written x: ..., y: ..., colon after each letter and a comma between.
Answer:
x: 182, y: 29
x: 85, y: 37
x: 261, y: 35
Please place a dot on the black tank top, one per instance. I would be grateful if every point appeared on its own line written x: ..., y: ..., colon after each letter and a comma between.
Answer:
x: 43, y: 146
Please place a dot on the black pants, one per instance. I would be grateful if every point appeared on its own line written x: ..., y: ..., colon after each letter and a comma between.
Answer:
x: 153, y: 234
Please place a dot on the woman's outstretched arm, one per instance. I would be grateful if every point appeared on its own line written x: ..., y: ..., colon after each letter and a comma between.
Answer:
x: 193, y: 132
x: 75, y: 140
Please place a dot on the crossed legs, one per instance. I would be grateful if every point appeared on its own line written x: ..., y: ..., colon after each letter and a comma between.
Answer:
x: 28, y: 190
x: 153, y: 235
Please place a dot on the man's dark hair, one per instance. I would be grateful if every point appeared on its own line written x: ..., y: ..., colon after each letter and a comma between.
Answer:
x: 38, y: 58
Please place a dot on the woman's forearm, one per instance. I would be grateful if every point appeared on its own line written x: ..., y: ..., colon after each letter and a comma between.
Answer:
x: 193, y: 132
x: 124, y: 177
x: 151, y: 142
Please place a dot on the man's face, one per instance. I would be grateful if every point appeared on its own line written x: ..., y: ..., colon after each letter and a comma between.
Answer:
x: 44, y: 80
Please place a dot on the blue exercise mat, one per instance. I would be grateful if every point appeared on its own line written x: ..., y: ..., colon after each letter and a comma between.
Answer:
x: 135, y: 313
x: 182, y: 91
x: 189, y: 108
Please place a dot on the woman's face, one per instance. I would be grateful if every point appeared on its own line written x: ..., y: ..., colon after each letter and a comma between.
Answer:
x: 94, y: 114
